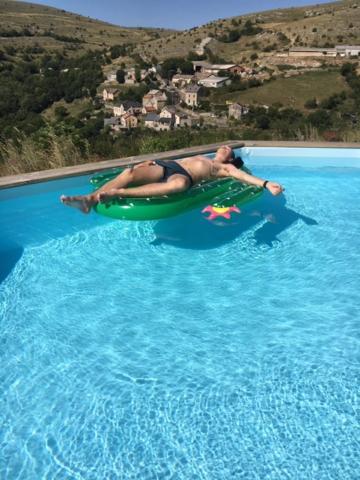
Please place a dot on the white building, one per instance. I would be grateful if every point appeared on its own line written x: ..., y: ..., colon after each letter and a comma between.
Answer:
x: 312, y: 52
x: 214, y: 82
x: 348, y: 50
x: 109, y: 94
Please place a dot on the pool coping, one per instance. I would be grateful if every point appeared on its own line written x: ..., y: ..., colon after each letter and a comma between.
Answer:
x: 89, y: 168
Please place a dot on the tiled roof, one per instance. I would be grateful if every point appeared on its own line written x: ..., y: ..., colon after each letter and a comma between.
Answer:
x: 151, y: 117
x: 130, y: 104
x: 111, y: 121
x: 192, y: 89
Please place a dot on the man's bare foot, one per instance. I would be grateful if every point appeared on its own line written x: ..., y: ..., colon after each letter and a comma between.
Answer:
x: 82, y: 202
x: 110, y: 195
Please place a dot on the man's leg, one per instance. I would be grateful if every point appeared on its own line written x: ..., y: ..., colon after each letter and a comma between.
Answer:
x: 140, y: 174
x: 176, y: 183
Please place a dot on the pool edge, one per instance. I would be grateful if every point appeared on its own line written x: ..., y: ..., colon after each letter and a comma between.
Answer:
x: 89, y: 168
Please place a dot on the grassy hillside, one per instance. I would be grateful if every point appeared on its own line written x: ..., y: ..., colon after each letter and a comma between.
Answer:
x: 63, y: 27
x: 293, y: 91
x: 317, y: 25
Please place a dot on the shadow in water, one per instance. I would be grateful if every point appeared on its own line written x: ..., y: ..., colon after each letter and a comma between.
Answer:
x: 194, y: 231
x: 9, y: 256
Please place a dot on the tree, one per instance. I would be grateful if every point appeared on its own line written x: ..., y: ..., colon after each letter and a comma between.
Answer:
x: 138, y: 74
x: 320, y: 119
x: 120, y: 76
x: 263, y: 122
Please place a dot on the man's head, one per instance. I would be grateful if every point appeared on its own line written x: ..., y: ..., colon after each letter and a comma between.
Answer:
x: 225, y: 154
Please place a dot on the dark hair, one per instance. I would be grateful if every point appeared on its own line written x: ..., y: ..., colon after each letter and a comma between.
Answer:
x: 236, y: 161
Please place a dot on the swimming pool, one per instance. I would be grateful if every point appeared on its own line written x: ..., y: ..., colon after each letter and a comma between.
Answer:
x: 184, y: 348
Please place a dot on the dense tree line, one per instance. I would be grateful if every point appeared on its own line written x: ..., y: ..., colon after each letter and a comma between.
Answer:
x: 29, y: 87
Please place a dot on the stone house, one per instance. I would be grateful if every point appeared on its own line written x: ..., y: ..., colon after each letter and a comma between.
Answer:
x: 130, y: 76
x: 109, y: 94
x: 168, y: 112
x: 237, y: 111
x: 151, y: 119
x: 200, y: 65
x: 191, y: 95
x: 154, y: 101
x: 129, y: 120
x: 180, y: 80
x: 182, y: 120
x: 127, y: 106
x: 154, y: 121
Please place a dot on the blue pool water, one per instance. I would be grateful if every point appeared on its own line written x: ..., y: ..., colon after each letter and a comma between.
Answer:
x: 182, y: 349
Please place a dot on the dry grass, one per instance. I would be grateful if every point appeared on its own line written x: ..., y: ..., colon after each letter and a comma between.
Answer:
x: 310, y: 134
x: 25, y: 155
x: 292, y: 92
x: 39, y: 18
x: 352, y: 136
x: 311, y: 25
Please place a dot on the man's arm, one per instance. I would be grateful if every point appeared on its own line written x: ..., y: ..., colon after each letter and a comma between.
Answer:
x: 227, y: 170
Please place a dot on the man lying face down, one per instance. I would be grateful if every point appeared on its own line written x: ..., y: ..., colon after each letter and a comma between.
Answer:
x: 156, y: 178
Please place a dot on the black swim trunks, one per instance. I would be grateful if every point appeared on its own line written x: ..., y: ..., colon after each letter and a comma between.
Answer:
x: 172, y: 168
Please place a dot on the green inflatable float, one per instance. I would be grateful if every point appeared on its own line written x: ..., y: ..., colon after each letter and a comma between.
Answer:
x: 224, y: 192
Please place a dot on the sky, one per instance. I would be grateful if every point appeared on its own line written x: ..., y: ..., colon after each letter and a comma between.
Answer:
x: 177, y: 14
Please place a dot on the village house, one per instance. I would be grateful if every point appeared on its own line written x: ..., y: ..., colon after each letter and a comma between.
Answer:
x: 111, y: 77
x: 154, y: 101
x: 215, y: 82
x: 151, y: 119
x: 109, y: 94
x: 180, y: 80
x: 130, y: 76
x: 215, y: 69
x: 200, y: 65
x: 154, y: 121
x: 237, y: 111
x: 127, y: 106
x: 129, y: 120
x: 191, y: 95
x: 178, y: 119
x: 182, y: 120
x: 168, y: 112
x: 164, y: 124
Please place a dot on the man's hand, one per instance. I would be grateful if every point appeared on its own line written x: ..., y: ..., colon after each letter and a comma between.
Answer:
x: 274, y: 188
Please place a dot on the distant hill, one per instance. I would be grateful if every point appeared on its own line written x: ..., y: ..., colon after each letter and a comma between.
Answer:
x: 312, y: 26
x: 30, y: 25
